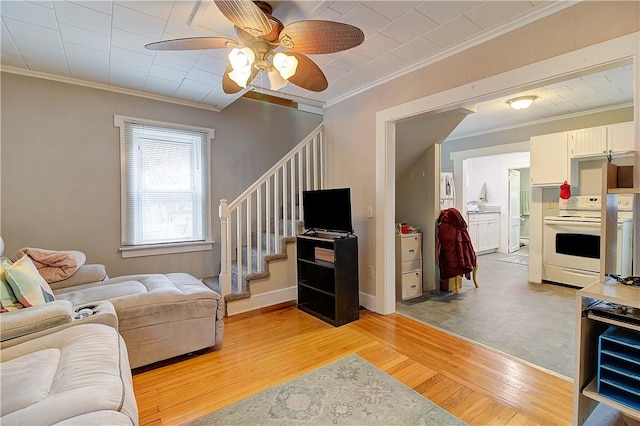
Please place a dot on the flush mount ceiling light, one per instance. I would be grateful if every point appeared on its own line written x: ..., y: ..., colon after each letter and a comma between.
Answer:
x: 260, y: 34
x: 522, y: 102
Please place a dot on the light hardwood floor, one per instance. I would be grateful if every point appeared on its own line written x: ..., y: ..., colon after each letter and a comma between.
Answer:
x: 262, y: 349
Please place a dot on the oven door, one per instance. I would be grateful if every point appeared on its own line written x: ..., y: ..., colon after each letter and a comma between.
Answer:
x: 572, y: 244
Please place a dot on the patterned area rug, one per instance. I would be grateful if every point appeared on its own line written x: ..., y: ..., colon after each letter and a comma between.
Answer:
x: 349, y: 391
x: 520, y: 260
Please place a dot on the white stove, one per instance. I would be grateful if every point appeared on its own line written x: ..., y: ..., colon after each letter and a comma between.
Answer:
x: 589, y: 206
x: 571, y: 240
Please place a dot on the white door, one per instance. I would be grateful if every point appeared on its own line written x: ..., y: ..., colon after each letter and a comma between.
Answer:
x: 514, y: 210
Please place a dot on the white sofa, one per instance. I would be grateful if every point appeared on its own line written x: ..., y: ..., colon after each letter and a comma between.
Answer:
x: 78, y: 375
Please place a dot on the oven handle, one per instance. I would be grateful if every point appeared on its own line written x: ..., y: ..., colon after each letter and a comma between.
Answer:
x: 565, y: 223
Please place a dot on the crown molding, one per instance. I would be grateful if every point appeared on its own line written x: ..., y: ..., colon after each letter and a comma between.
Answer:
x: 108, y: 88
x: 541, y: 12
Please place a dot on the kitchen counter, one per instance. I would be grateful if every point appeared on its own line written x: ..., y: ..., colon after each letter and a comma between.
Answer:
x: 485, y: 209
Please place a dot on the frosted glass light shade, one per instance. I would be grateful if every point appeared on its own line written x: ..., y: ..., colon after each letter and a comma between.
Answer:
x: 521, y: 102
x: 240, y: 78
x: 241, y: 62
x: 276, y: 80
x: 287, y: 65
x: 241, y: 59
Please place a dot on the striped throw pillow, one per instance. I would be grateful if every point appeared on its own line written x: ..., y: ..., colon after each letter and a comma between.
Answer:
x: 28, y: 286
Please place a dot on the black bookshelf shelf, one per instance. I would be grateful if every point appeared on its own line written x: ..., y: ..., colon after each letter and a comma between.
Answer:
x: 328, y: 278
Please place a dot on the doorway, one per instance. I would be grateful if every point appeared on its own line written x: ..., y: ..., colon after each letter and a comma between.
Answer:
x: 609, y: 52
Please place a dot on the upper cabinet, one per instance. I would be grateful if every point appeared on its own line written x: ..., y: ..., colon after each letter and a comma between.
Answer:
x: 549, y: 159
x: 551, y: 154
x: 620, y: 137
x: 588, y: 142
x: 598, y: 141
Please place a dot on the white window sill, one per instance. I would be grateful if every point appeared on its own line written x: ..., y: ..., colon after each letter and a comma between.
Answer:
x: 168, y: 248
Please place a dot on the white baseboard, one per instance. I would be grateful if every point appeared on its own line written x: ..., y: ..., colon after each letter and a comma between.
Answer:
x: 368, y: 301
x: 271, y: 298
x: 262, y: 300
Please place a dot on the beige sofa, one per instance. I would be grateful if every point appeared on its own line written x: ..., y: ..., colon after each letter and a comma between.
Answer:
x: 77, y: 375
x: 160, y: 316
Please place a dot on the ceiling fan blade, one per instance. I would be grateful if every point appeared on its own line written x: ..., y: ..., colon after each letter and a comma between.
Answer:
x: 308, y: 75
x: 229, y: 86
x: 245, y: 37
x: 318, y: 37
x: 245, y: 15
x: 192, y: 43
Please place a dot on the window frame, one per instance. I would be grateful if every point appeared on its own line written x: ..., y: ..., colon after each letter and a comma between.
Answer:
x: 128, y: 251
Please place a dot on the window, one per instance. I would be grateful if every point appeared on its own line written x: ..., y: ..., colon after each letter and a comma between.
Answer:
x: 165, y: 187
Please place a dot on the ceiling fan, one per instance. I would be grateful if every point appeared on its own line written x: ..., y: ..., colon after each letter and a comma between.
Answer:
x: 260, y: 35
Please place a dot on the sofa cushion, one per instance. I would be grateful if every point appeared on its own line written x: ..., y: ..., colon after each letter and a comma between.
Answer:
x: 73, y: 372
x: 7, y: 298
x: 134, y: 292
x: 34, y: 319
x: 27, y: 284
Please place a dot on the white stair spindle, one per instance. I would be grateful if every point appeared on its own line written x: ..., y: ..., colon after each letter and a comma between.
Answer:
x: 300, y: 186
x: 267, y: 211
x: 320, y: 161
x: 292, y: 187
x: 276, y: 225
x: 285, y: 228
x: 248, y: 237
x: 259, y: 266
x: 307, y: 151
x: 238, y: 247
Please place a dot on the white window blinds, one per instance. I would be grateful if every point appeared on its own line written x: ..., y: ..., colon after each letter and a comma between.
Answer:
x: 165, y: 184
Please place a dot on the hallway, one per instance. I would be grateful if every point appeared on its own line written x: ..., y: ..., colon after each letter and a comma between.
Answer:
x: 532, y: 322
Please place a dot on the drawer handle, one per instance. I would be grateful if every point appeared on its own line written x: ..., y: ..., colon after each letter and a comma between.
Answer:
x: 412, y: 251
x: 413, y: 286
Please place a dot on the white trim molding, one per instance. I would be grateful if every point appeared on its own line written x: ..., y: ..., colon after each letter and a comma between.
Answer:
x: 169, y: 248
x: 263, y: 300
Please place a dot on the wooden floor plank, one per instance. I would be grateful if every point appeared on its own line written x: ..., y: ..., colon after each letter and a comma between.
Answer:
x: 262, y: 349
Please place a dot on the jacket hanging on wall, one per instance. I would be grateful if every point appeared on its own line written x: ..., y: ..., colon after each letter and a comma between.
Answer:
x: 456, y: 255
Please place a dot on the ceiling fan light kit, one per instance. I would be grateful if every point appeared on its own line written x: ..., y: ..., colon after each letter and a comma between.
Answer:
x: 260, y: 34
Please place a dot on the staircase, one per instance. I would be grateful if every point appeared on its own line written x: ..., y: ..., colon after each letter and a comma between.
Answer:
x: 257, y: 227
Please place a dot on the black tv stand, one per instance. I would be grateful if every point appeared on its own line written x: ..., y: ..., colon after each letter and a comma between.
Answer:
x: 328, y: 277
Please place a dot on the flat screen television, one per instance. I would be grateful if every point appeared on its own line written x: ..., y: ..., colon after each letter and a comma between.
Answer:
x: 327, y: 210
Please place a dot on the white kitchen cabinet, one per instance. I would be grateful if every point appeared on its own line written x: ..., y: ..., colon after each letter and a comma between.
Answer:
x: 550, y: 159
x: 408, y: 265
x: 620, y: 137
x: 588, y: 142
x: 598, y: 141
x: 484, y: 230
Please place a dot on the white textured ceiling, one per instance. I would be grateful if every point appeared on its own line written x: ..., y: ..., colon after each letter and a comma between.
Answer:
x: 598, y: 90
x: 103, y: 41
